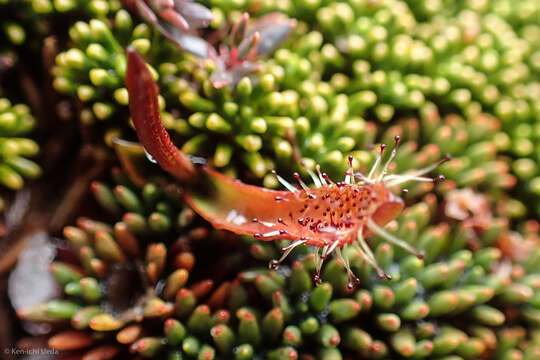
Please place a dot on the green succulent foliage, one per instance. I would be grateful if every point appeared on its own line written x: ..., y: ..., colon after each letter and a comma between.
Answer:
x: 15, y: 149
x: 137, y: 245
x: 267, y: 128
x: 152, y: 222
x: 25, y: 22
x: 453, y: 304
x: 461, y: 60
x: 262, y: 123
x: 361, y: 72
x: 356, y: 61
x: 309, y: 103
x: 424, y: 140
x: 93, y: 69
x: 93, y: 8
x: 18, y: 23
x: 392, y: 57
x: 12, y: 31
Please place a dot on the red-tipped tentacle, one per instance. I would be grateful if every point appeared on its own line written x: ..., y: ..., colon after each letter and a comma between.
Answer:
x: 143, y: 105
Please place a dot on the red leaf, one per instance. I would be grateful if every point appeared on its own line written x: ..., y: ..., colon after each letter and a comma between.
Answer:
x: 143, y: 105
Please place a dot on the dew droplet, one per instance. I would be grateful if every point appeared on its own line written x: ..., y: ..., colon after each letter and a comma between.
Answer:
x: 150, y: 157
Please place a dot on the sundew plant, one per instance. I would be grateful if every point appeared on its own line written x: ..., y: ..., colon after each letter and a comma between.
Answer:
x: 260, y: 179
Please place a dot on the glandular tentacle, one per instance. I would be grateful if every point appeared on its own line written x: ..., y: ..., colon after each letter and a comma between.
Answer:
x: 274, y: 264
x: 314, y: 177
x: 284, y: 182
x: 364, y: 249
x: 351, y: 276
x: 349, y: 174
x: 377, y: 162
x: 390, y: 159
x: 396, y: 179
x: 321, y: 177
x: 393, y: 239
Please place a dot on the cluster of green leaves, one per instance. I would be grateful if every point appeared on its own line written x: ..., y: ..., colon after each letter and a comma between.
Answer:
x: 15, y: 122
x: 93, y: 69
x: 454, y: 303
x: 392, y: 57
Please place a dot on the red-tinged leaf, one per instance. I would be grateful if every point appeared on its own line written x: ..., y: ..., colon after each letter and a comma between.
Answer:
x: 103, y: 352
x: 70, y: 340
x: 129, y: 334
x: 202, y: 288
x: 248, y: 48
x: 225, y: 202
x: 176, y: 23
x: 175, y: 19
x: 222, y: 77
x: 239, y: 30
x: 143, y: 105
x: 238, y: 72
x: 232, y: 205
x: 219, y: 297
